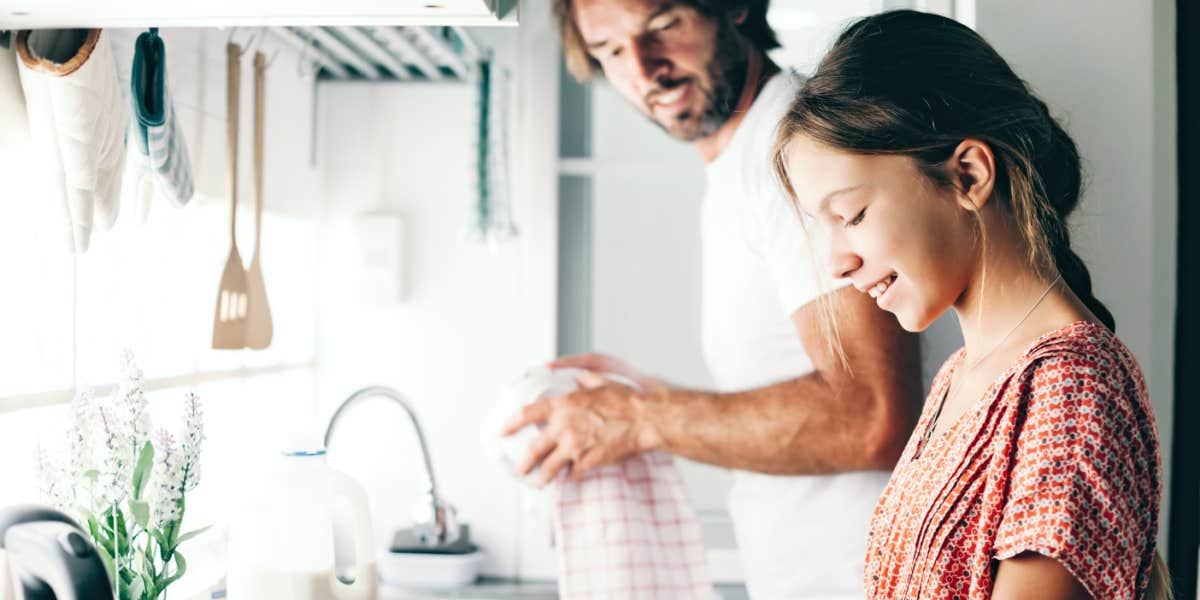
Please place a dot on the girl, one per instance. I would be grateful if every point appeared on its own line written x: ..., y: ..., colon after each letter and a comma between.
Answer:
x: 942, y: 182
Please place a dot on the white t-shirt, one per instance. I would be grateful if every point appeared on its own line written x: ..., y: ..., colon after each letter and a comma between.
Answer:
x: 798, y: 536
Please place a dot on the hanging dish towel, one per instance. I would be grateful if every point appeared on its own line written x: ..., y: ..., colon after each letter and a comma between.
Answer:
x: 77, y: 122
x: 137, y: 185
x: 158, y: 134
x: 625, y: 531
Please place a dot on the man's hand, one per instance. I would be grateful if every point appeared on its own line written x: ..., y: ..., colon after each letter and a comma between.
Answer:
x: 594, y: 426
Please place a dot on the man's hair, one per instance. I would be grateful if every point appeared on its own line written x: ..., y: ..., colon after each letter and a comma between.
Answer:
x: 581, y: 64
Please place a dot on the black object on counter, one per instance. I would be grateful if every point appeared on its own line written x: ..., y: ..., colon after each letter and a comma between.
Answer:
x: 50, y: 557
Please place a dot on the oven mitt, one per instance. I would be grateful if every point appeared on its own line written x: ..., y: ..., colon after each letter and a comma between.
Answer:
x: 158, y: 133
x: 77, y: 121
x: 14, y: 124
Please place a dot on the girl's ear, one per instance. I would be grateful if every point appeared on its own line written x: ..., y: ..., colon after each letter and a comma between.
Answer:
x: 973, y: 172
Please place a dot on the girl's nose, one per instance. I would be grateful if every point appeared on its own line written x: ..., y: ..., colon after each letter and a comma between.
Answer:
x: 843, y: 264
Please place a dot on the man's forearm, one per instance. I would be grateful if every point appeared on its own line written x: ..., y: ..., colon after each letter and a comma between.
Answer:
x: 803, y: 426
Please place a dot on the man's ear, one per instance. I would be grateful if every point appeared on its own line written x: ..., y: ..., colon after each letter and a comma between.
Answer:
x: 973, y: 171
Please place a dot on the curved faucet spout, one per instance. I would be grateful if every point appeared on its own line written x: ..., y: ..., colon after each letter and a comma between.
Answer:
x: 444, y: 530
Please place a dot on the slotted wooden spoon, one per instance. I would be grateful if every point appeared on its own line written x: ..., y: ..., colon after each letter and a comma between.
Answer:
x: 258, y: 311
x: 229, y: 322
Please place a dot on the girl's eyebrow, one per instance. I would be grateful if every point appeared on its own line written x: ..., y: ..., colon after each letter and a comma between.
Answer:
x: 829, y: 197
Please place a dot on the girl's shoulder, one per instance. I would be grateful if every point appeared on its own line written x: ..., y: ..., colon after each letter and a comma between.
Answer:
x: 1081, y: 353
x: 1083, y: 375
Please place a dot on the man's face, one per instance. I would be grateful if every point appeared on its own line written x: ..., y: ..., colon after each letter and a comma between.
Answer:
x: 683, y: 69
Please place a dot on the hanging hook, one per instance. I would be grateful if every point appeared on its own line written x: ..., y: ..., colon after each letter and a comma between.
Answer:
x: 229, y: 40
x: 255, y: 46
x: 256, y: 42
x: 255, y: 38
x: 313, y: 64
x: 274, y: 55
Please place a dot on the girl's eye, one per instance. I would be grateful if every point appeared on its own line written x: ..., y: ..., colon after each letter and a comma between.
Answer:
x: 669, y: 24
x: 857, y: 218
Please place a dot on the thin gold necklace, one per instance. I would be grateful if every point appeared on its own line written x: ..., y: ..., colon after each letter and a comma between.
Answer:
x: 971, y: 367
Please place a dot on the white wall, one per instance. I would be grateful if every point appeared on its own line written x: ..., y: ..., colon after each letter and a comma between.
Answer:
x: 1111, y: 77
x: 470, y: 321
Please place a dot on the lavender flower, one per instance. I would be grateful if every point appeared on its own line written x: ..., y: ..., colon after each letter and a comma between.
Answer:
x: 117, y: 467
x: 54, y: 489
x: 193, y: 440
x: 132, y: 403
x: 167, y: 480
x: 80, y: 436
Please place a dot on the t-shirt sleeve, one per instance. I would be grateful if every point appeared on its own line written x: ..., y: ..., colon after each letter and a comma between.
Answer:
x: 1080, y: 488
x: 796, y: 254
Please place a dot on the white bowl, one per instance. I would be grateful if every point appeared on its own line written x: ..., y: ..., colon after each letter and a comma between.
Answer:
x: 429, y: 571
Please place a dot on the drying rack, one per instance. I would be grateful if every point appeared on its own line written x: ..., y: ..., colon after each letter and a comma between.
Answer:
x: 409, y: 53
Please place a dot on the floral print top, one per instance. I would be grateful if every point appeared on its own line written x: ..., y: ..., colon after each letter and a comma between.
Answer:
x: 1059, y: 457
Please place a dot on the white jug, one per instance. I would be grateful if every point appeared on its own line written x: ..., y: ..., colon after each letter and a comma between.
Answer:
x: 281, y: 539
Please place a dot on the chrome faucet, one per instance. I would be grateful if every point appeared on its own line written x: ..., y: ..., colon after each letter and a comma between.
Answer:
x: 434, y: 520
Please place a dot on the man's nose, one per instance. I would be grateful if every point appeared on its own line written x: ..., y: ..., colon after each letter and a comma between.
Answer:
x: 649, y: 62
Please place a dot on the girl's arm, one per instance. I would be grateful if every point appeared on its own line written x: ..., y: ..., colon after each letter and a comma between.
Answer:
x: 1032, y: 575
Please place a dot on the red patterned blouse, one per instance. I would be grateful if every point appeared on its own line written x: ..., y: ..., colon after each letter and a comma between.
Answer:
x: 1060, y: 457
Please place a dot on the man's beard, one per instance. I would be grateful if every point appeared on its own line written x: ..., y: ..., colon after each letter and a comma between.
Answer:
x: 726, y: 79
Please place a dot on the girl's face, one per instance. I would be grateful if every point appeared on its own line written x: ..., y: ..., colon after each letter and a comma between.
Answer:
x: 900, y: 238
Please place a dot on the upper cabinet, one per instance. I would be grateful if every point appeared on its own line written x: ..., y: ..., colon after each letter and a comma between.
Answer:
x: 35, y: 14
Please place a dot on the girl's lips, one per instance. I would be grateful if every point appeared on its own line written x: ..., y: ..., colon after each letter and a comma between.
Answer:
x: 884, y: 300
x: 880, y: 287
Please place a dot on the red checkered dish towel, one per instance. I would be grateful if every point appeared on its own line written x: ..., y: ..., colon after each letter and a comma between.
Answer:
x: 624, y: 532
x: 628, y: 531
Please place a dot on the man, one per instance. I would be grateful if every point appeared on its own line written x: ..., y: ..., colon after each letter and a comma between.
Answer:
x: 811, y: 425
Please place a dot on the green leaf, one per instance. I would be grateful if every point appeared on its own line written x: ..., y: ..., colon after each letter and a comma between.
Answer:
x: 180, y: 569
x: 103, y: 541
x: 141, y: 512
x: 151, y: 589
x: 93, y: 527
x: 114, y: 524
x: 145, y: 460
x: 147, y: 565
x: 174, y: 526
x: 163, y: 548
x: 191, y: 534
x: 136, y: 588
x: 92, y: 474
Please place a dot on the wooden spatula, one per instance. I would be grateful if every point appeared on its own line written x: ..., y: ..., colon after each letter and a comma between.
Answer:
x: 258, y: 311
x: 229, y: 323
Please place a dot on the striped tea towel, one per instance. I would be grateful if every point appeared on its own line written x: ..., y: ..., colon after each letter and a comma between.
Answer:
x: 159, y: 135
